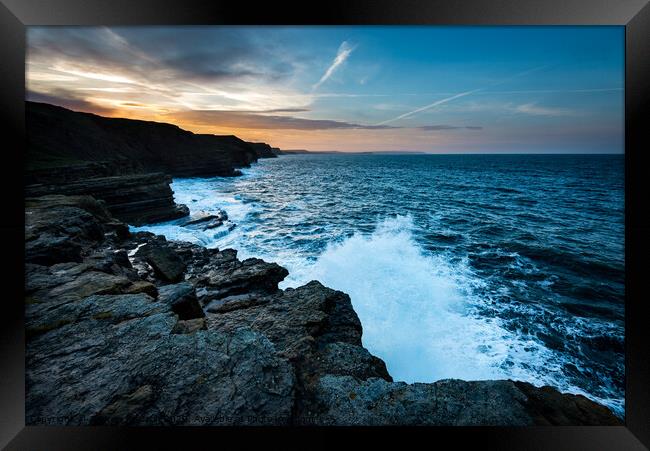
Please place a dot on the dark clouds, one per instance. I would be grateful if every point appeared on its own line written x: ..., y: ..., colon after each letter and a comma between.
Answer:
x: 238, y: 119
x: 65, y: 99
x: 255, y: 120
x: 160, y: 53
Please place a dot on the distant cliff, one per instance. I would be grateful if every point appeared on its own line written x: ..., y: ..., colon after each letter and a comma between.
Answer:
x: 263, y: 150
x: 126, y: 163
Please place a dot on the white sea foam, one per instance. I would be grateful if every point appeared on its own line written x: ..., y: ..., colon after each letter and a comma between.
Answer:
x: 415, y: 309
x: 203, y: 196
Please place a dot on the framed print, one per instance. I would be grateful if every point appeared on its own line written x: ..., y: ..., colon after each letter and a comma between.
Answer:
x: 380, y: 215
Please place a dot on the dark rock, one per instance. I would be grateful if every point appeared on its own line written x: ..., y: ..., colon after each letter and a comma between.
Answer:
x: 166, y: 264
x: 189, y: 326
x: 134, y: 198
x: 202, y: 218
x: 120, y: 229
x: 48, y: 249
x: 108, y: 260
x: 206, y: 221
x: 101, y: 146
x: 57, y: 228
x: 116, y: 362
x: 234, y: 277
x: 343, y: 400
x: 182, y: 299
x: 235, y: 302
x: 263, y: 150
x: 89, y: 283
x: 142, y: 286
x: 300, y: 322
x: 547, y: 406
x: 343, y: 358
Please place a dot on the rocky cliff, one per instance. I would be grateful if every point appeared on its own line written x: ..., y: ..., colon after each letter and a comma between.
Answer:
x: 263, y: 150
x: 134, y: 198
x: 133, y: 329
x: 126, y: 163
x: 59, y: 137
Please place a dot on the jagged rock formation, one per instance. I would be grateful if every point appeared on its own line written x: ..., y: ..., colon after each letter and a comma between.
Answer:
x: 116, y: 336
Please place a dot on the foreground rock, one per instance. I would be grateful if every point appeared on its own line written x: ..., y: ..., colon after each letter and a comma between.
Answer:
x: 343, y: 400
x: 132, y: 329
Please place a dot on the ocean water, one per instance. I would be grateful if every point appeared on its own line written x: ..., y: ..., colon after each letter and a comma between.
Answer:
x: 459, y: 266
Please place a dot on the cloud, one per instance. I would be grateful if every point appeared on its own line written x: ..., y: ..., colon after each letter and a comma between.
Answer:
x: 535, y: 110
x: 344, y: 52
x: 254, y: 120
x: 66, y: 99
x: 237, y: 119
x: 174, y: 68
x: 164, y: 53
x: 448, y: 127
x: 281, y: 110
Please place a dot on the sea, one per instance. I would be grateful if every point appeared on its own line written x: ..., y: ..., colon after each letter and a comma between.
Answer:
x: 459, y: 266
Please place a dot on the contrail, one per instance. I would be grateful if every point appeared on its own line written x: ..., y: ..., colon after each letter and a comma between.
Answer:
x: 462, y: 94
x: 343, y: 53
x: 431, y: 105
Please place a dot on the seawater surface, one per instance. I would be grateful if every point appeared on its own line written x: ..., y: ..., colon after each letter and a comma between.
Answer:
x: 471, y: 267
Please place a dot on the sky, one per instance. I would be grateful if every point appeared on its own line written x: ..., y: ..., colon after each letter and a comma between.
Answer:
x: 435, y: 89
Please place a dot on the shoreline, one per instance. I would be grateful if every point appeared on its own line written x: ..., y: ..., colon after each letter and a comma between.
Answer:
x: 199, y: 303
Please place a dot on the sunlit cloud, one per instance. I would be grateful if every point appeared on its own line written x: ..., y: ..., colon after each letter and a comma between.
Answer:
x: 344, y: 52
x: 93, y: 75
x: 536, y: 110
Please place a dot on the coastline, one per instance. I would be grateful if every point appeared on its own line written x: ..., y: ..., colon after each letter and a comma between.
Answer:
x: 211, y: 340
x: 133, y: 329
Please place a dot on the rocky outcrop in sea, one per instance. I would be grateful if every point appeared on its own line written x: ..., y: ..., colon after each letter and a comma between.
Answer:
x: 131, y: 329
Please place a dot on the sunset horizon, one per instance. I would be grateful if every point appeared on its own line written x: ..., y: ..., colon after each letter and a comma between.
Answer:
x: 347, y: 89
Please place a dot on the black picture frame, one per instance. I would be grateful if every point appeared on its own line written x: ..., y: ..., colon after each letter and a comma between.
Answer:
x: 15, y: 15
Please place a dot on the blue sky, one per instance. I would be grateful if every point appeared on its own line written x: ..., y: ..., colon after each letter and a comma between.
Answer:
x: 432, y: 89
